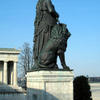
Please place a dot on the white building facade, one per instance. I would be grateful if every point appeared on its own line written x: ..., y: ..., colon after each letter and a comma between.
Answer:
x: 8, y: 66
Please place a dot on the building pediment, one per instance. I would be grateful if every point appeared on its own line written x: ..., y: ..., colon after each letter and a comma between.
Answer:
x: 9, y: 54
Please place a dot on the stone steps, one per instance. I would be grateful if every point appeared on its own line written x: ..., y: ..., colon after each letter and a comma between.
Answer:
x: 11, y: 89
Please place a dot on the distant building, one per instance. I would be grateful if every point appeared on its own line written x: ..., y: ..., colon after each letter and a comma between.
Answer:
x: 8, y: 66
x: 94, y: 79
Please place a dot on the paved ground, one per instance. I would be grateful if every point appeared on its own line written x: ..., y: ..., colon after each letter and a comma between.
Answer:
x: 95, y: 88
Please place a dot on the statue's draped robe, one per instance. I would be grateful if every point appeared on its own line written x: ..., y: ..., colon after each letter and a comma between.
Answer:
x: 45, y: 20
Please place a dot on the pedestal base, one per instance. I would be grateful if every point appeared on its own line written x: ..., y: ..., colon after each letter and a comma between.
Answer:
x: 50, y: 85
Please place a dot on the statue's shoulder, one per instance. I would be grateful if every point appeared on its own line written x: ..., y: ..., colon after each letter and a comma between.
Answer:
x: 59, y: 26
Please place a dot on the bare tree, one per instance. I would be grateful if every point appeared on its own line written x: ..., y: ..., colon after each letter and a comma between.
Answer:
x: 26, y: 58
x: 25, y: 63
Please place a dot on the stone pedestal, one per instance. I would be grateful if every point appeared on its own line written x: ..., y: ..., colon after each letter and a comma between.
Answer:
x: 50, y: 85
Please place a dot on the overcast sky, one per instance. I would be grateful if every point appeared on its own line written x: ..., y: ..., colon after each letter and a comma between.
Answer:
x: 83, y: 21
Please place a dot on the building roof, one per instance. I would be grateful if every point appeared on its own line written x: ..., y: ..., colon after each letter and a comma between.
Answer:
x: 9, y: 50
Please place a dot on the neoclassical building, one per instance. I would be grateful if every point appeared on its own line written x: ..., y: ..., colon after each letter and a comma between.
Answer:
x: 8, y: 66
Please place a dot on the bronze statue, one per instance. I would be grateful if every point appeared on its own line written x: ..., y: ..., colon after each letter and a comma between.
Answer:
x: 50, y: 37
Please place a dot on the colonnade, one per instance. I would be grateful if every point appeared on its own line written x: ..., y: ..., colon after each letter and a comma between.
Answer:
x: 5, y: 75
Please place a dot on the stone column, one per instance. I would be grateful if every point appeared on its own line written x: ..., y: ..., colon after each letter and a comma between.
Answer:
x: 5, y: 72
x: 15, y: 73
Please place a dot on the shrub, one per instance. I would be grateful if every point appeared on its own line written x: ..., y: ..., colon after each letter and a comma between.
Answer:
x: 82, y: 88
